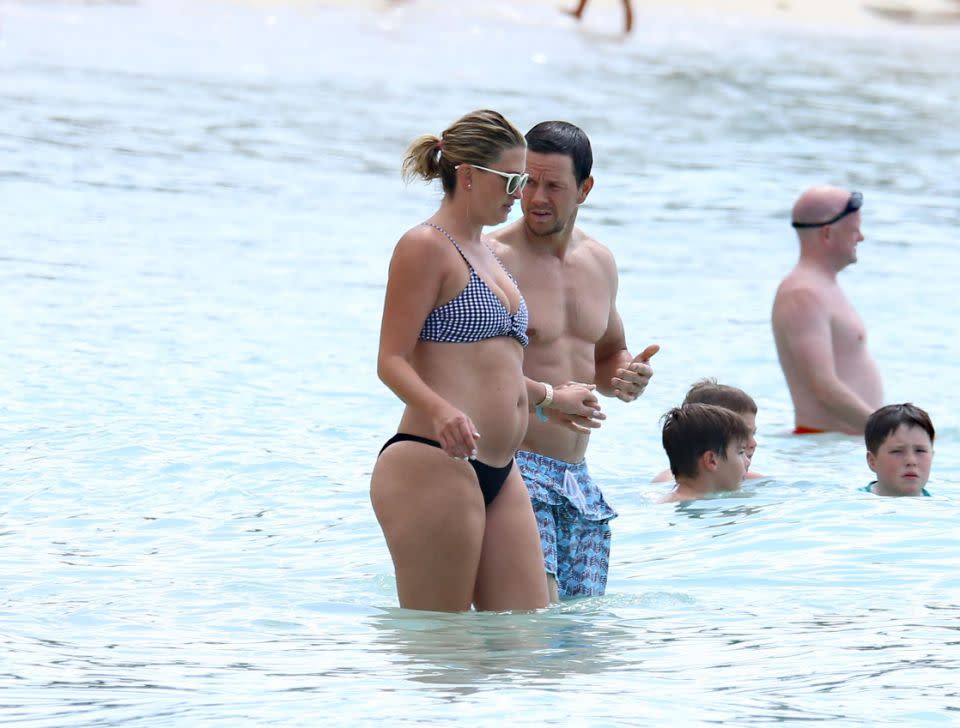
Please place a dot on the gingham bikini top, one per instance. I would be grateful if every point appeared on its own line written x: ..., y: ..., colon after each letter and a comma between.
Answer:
x: 475, y: 313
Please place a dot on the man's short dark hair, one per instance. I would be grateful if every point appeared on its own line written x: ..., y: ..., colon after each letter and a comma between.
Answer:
x: 690, y: 430
x: 885, y: 421
x: 562, y: 137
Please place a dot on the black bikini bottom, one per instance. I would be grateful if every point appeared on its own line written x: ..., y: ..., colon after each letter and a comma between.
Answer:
x: 491, y: 479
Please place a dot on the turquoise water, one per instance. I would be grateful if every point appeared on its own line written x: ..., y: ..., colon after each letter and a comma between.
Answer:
x: 198, y: 202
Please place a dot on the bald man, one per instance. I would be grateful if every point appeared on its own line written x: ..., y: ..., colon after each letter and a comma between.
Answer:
x: 821, y: 340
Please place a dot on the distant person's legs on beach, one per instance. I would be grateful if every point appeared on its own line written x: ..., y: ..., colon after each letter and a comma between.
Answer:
x: 578, y: 12
x: 627, y: 13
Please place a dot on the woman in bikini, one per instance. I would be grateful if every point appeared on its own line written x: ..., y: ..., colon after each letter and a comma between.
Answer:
x: 452, y: 505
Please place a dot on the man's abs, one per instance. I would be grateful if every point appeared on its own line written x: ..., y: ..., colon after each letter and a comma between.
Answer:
x: 555, y: 441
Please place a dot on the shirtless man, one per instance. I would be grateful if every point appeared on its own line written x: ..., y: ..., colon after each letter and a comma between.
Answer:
x: 569, y: 281
x: 821, y: 341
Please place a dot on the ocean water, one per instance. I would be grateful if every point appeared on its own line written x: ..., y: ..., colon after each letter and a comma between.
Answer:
x: 197, y: 206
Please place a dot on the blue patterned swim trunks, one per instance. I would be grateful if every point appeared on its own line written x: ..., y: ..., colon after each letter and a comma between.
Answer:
x: 574, y: 523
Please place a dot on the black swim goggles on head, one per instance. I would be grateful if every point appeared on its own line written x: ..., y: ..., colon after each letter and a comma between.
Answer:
x: 853, y: 204
x: 516, y: 181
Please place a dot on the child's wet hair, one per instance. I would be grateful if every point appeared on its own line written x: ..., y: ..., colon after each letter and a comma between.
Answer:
x: 692, y: 429
x: 885, y: 421
x: 708, y: 391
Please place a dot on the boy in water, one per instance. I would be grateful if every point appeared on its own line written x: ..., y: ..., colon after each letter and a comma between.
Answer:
x: 708, y: 391
x: 899, y: 441
x: 706, y: 447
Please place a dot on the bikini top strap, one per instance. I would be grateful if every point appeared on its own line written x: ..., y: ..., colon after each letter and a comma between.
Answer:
x: 505, y: 269
x: 457, y: 246
x: 450, y: 238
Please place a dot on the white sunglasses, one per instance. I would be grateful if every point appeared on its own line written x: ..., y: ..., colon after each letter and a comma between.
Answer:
x: 516, y: 181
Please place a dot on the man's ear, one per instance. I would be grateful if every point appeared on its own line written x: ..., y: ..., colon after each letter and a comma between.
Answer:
x: 872, y: 461
x: 585, y: 190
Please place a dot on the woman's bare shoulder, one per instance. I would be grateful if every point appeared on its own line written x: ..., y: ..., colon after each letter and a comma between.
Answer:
x: 424, y: 246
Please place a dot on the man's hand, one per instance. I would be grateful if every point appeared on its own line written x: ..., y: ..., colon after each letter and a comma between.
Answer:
x: 629, y: 383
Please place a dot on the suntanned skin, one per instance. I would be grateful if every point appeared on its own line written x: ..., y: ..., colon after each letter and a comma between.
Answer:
x: 570, y: 283
x: 449, y: 551
x: 821, y: 341
x: 715, y: 474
